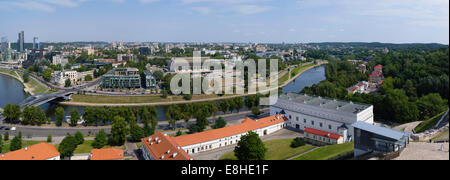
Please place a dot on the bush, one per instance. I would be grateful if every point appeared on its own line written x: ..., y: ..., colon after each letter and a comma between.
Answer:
x: 49, y: 138
x: 79, y: 137
x: 297, y: 142
x: 256, y: 111
x: 187, y: 97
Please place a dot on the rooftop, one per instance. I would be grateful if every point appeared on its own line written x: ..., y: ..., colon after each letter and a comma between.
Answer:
x: 163, y: 147
x: 246, y: 126
x: 326, y: 103
x: 322, y: 133
x: 107, y: 154
x: 387, y: 132
x: 42, y: 151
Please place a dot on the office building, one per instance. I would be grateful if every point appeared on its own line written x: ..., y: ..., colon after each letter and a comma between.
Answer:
x: 150, y: 81
x: 121, y: 78
x: 36, y: 44
x: 21, y: 42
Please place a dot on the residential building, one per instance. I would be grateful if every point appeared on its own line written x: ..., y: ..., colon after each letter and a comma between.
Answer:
x: 321, y: 138
x: 305, y: 111
x: 186, y: 64
x: 122, y: 78
x: 150, y: 81
x: 370, y: 138
x: 41, y: 151
x: 361, y: 87
x: 107, y: 154
x: 58, y: 59
x: 377, y: 75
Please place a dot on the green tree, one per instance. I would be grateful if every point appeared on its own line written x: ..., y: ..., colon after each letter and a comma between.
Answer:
x: 49, y: 138
x: 47, y: 75
x: 119, y: 131
x: 67, y: 147
x: 239, y: 103
x: 220, y: 123
x: 224, y: 105
x: 6, y: 136
x: 256, y: 111
x: 88, y: 77
x: 173, y: 114
x: 67, y: 83
x: 79, y: 137
x: 12, y: 113
x: 101, y: 140
x: 431, y: 105
x: 59, y: 115
x: 250, y: 148
x: 136, y: 132
x: 26, y: 77
x: 16, y: 143
x: 74, y: 117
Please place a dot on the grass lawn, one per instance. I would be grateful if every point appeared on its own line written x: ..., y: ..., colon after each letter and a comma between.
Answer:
x: 6, y: 145
x: 428, y: 123
x: 294, y: 72
x: 441, y: 136
x: 328, y: 152
x: 276, y: 150
x: 133, y: 99
x: 38, y: 87
x: 86, y: 147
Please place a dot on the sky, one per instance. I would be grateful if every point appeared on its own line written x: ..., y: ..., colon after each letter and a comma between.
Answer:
x: 261, y: 21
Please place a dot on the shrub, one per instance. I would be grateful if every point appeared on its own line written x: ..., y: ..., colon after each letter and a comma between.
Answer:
x: 297, y: 142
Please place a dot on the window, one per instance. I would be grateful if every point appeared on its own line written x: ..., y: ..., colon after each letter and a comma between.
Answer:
x: 296, y: 118
x: 290, y: 117
x: 312, y: 123
x: 329, y: 126
x: 304, y: 120
x: 320, y: 124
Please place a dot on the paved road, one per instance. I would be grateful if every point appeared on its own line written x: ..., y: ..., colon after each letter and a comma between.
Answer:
x: 33, y: 131
x: 217, y: 153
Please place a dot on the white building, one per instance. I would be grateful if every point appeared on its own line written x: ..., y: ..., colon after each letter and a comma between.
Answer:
x: 58, y: 59
x: 60, y: 77
x: 155, y: 146
x: 305, y: 111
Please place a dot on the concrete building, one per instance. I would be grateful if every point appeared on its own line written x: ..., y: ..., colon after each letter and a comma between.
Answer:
x: 370, y: 138
x: 21, y: 42
x: 42, y: 151
x: 305, y: 111
x: 162, y: 147
x: 186, y: 64
x: 122, y: 78
x: 58, y: 59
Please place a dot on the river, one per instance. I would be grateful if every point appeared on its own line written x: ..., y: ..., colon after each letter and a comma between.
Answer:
x: 11, y: 91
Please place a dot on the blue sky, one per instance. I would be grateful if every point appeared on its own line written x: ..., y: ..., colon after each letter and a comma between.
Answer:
x: 270, y: 21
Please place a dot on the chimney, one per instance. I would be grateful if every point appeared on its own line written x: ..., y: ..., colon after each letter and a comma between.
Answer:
x: 162, y: 157
x: 174, y: 154
x: 168, y: 151
x: 26, y: 148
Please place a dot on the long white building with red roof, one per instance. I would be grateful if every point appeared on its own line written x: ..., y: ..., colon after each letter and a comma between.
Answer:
x: 163, y: 147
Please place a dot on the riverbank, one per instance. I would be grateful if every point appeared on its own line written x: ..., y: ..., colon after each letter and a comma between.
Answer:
x: 154, y: 100
x: 32, y: 87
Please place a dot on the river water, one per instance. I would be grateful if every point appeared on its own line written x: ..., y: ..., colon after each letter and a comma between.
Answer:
x: 11, y: 92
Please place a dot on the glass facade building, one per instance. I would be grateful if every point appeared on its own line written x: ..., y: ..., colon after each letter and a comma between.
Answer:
x: 121, y: 78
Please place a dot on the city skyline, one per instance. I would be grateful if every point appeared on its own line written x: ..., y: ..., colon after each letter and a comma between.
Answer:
x: 261, y: 21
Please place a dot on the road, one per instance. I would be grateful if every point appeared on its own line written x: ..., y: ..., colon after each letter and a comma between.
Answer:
x: 35, y: 131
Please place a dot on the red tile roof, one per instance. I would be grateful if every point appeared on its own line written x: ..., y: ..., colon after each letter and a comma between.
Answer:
x: 42, y: 151
x: 322, y: 133
x: 379, y: 67
x: 163, y: 147
x: 107, y: 154
x: 246, y: 126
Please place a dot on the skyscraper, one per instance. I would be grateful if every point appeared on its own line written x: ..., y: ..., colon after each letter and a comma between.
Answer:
x: 21, y: 42
x: 36, y: 43
x: 6, y: 54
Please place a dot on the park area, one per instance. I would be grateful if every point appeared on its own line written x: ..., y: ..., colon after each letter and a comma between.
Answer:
x: 331, y: 152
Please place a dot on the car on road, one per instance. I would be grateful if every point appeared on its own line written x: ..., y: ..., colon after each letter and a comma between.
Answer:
x: 2, y: 127
x: 13, y: 128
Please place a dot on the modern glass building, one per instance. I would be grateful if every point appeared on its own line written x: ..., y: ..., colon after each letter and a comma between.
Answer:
x: 21, y: 42
x: 121, y: 78
x: 150, y: 81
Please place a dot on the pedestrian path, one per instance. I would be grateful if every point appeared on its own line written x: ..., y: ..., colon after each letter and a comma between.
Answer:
x: 303, y: 153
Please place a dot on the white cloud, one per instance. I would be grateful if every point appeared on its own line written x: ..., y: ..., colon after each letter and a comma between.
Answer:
x: 148, y: 1
x: 29, y: 5
x: 202, y: 10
